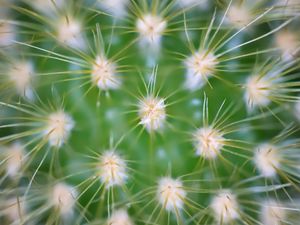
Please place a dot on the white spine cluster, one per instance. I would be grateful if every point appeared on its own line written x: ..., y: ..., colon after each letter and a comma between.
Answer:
x: 239, y: 15
x: 58, y: 128
x: 199, y: 68
x: 267, y: 160
x: 152, y: 113
x: 119, y: 217
x: 151, y: 28
x: 112, y: 169
x: 288, y: 43
x: 63, y: 198
x: 69, y: 32
x: 273, y: 213
x: 14, y: 159
x: 171, y: 193
x: 225, y: 206
x: 257, y: 92
x: 21, y: 74
x: 14, y: 209
x: 104, y: 74
x: 208, y: 142
x: 117, y: 8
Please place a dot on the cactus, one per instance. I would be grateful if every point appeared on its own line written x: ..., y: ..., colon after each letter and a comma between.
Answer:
x: 128, y: 112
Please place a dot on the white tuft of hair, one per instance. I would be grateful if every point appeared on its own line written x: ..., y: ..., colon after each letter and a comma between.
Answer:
x: 119, y: 217
x: 225, y: 206
x: 150, y: 28
x: 104, y: 74
x: 21, y: 74
x: 63, y: 198
x: 58, y: 128
x: 152, y: 113
x: 272, y: 213
x: 267, y: 160
x: 112, y: 169
x: 208, y: 142
x: 171, y: 193
x: 199, y: 68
